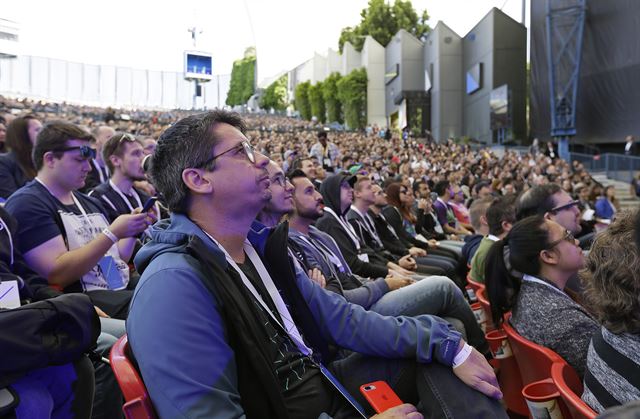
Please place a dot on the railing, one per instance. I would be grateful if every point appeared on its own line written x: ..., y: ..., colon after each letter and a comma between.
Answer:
x: 616, y: 166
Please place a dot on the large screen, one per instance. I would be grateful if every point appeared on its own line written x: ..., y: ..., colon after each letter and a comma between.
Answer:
x: 198, y: 65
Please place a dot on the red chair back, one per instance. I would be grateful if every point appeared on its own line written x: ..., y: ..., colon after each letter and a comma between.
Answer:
x: 482, y: 299
x: 570, y: 387
x: 137, y: 401
x: 474, y: 285
x: 534, y: 361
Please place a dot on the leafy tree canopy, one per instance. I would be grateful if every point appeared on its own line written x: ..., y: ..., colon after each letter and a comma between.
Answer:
x: 382, y: 21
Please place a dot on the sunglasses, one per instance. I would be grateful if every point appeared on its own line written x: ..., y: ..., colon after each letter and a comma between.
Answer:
x: 86, y: 152
x: 564, y: 207
x: 126, y: 137
x: 244, y: 146
x: 568, y: 236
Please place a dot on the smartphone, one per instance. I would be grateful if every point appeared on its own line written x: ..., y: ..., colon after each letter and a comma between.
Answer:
x: 147, y: 205
x: 380, y: 396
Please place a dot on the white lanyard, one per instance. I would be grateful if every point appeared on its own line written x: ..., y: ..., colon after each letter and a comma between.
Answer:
x: 101, y: 174
x: 367, y: 227
x: 289, y: 325
x: 347, y: 227
x: 75, y: 201
x: 530, y: 278
x: 4, y: 226
x: 123, y: 196
x: 325, y: 251
x: 389, y: 226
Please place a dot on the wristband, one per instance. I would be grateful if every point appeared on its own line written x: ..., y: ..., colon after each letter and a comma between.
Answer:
x: 462, y: 355
x: 110, y: 235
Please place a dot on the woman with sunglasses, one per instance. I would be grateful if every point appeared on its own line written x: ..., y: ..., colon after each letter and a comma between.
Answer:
x: 16, y: 167
x: 526, y: 273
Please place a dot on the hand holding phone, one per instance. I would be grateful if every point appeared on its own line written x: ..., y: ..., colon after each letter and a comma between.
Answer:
x: 147, y: 205
x: 380, y: 396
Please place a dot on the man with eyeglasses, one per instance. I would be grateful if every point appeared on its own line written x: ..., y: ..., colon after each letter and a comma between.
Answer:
x: 554, y: 204
x: 317, y: 251
x: 244, y: 332
x: 123, y: 154
x: 64, y: 234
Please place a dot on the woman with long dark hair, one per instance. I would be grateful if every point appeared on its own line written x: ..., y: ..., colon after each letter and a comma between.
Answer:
x: 526, y: 273
x: 399, y: 214
x: 16, y: 167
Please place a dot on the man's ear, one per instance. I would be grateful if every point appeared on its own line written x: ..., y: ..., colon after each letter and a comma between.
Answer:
x: 48, y: 158
x: 196, y: 181
x: 115, y: 160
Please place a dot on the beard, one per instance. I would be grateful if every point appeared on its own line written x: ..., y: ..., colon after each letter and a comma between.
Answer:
x: 311, y: 214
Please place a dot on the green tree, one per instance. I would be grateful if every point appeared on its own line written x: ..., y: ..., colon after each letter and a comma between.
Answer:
x: 242, y: 84
x: 302, y: 102
x: 330, y: 96
x: 352, y: 92
x: 275, y: 96
x: 382, y: 21
x: 317, y: 102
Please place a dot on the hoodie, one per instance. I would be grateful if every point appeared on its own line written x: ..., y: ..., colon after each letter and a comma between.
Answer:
x: 185, y: 337
x: 348, y: 242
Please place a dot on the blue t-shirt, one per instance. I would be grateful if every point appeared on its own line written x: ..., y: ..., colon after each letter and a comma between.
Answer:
x: 41, y: 217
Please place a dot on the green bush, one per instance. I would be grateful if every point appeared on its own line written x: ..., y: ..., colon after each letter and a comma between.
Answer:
x: 302, y: 103
x: 330, y: 96
x: 317, y: 102
x: 352, y: 92
x: 242, y: 82
x: 275, y: 96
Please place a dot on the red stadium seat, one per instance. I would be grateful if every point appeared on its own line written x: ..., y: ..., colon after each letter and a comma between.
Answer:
x: 570, y: 387
x: 482, y: 299
x: 137, y: 401
x: 534, y: 361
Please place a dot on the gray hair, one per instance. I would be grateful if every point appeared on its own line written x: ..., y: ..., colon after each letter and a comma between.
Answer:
x: 186, y: 144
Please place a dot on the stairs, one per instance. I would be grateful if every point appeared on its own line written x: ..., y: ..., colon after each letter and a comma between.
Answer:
x: 623, y: 191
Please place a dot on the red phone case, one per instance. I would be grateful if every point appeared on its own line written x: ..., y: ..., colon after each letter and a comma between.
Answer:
x: 380, y: 396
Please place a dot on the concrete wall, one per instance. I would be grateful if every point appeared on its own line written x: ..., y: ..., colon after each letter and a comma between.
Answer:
x: 404, y: 54
x: 499, y: 44
x: 443, y: 66
x: 334, y: 61
x: 350, y: 59
x: 373, y: 60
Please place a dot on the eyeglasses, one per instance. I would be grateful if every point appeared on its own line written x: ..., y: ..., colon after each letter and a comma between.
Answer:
x: 244, y: 146
x: 86, y: 152
x: 568, y: 236
x: 564, y: 207
x: 280, y: 180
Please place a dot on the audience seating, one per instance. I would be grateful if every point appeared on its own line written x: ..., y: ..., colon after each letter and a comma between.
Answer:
x: 570, y: 388
x: 137, y: 401
x: 482, y: 299
x: 534, y: 361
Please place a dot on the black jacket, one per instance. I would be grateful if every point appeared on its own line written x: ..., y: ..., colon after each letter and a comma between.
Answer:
x: 12, y: 177
x: 330, y: 190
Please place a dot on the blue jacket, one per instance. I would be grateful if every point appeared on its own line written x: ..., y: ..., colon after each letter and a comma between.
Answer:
x: 604, y: 209
x: 180, y: 339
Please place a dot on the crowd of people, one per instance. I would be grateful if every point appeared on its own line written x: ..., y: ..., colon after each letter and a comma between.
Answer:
x: 284, y: 265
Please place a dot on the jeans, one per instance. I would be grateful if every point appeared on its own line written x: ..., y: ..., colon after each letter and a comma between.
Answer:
x: 432, y: 388
x: 108, y: 398
x: 64, y: 391
x: 435, y: 295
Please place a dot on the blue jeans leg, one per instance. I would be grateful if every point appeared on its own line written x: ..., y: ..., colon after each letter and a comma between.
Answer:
x: 436, y: 295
